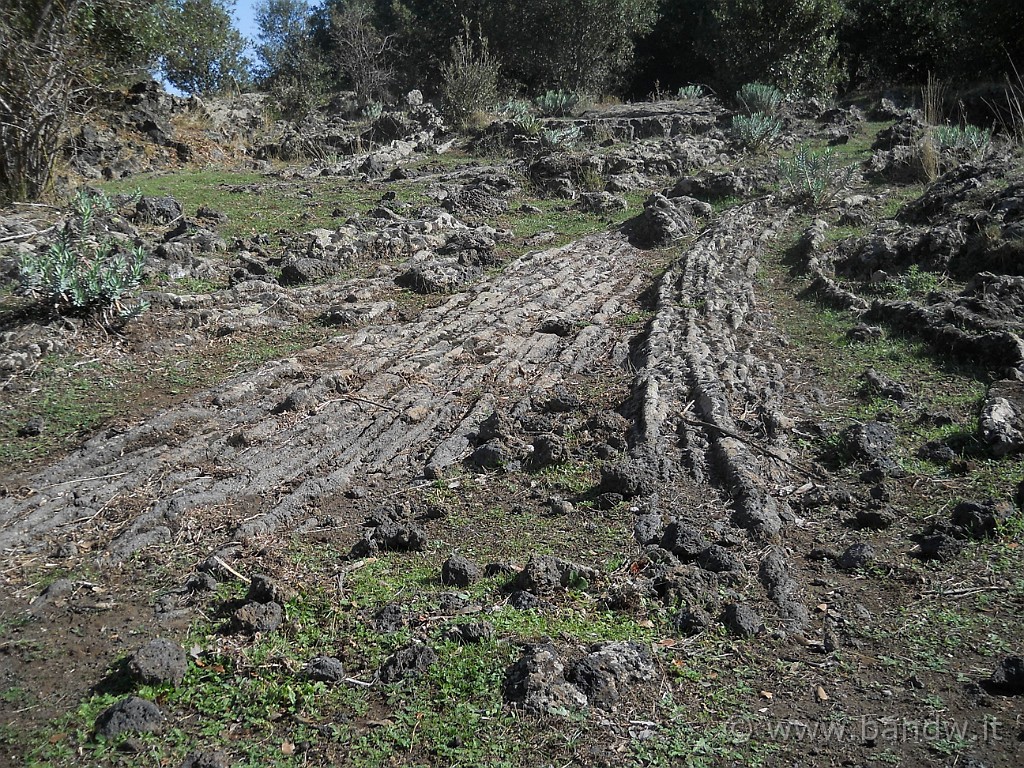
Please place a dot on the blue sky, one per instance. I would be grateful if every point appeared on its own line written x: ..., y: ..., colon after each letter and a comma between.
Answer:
x: 245, y: 18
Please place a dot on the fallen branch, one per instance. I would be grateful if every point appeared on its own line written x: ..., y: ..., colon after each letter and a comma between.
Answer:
x: 809, y: 471
x: 355, y: 398
x: 26, y: 235
x: 965, y: 591
x: 232, y: 571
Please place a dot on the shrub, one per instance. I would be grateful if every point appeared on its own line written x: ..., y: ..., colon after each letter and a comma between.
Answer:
x: 560, y: 138
x: 791, y: 43
x: 527, y: 125
x: 515, y: 109
x: 913, y: 283
x: 757, y: 130
x: 373, y: 111
x: 81, y: 271
x: 759, y: 97
x: 946, y: 146
x: 813, y: 177
x: 689, y: 92
x: 469, y: 80
x: 362, y: 52
x: 967, y: 138
x: 557, y: 103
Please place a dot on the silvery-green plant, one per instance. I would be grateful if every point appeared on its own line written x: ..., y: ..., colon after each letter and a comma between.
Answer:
x: 561, y: 137
x: 757, y: 130
x: 970, y: 138
x: 528, y: 125
x: 760, y: 97
x: 515, y: 109
x: 557, y: 103
x: 81, y: 271
x: 689, y: 93
x: 373, y: 111
x: 814, y: 177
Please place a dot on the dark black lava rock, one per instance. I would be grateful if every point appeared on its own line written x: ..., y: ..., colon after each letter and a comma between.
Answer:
x: 200, y: 582
x: 1008, y: 677
x: 325, y: 669
x: 157, y: 210
x: 544, y: 574
x: 936, y: 451
x: 856, y: 556
x: 629, y: 479
x: 32, y: 428
x: 390, y: 535
x: 691, y: 621
x: 130, y: 715
x: 558, y: 326
x: 863, y: 332
x: 390, y: 618
x: 522, y: 600
x: 871, y: 443
x: 257, y: 617
x: 491, y: 455
x: 742, y: 620
x: 300, y: 270
x: 684, y: 541
x: 499, y: 569
x: 938, y: 546
x: 647, y: 529
x: 263, y: 589
x: 157, y: 662
x: 875, y: 519
x: 537, y: 683
x: 548, y: 450
x: 561, y: 401
x: 458, y: 571
x: 718, y: 559
x: 406, y: 663
x: 607, y: 668
x: 470, y: 634
x: 451, y: 602
x: 980, y: 519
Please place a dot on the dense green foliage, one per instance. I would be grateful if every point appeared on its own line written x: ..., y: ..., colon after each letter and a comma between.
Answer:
x: 289, y: 63
x: 203, y: 52
x: 85, y: 269
x: 55, y: 53
x: 792, y: 43
x: 904, y: 40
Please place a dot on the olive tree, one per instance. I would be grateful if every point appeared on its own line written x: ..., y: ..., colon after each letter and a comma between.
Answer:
x: 54, y: 55
x: 791, y: 43
x: 290, y: 65
x: 204, y: 53
x: 577, y: 45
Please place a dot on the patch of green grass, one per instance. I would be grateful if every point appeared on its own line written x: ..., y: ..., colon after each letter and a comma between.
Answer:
x: 633, y: 318
x: 575, y: 477
x: 76, y: 396
x: 72, y: 396
x: 561, y: 219
x: 897, y: 197
x: 255, y: 203
x: 251, y: 698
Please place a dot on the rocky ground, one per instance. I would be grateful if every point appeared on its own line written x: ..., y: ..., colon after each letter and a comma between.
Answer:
x: 603, y: 446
